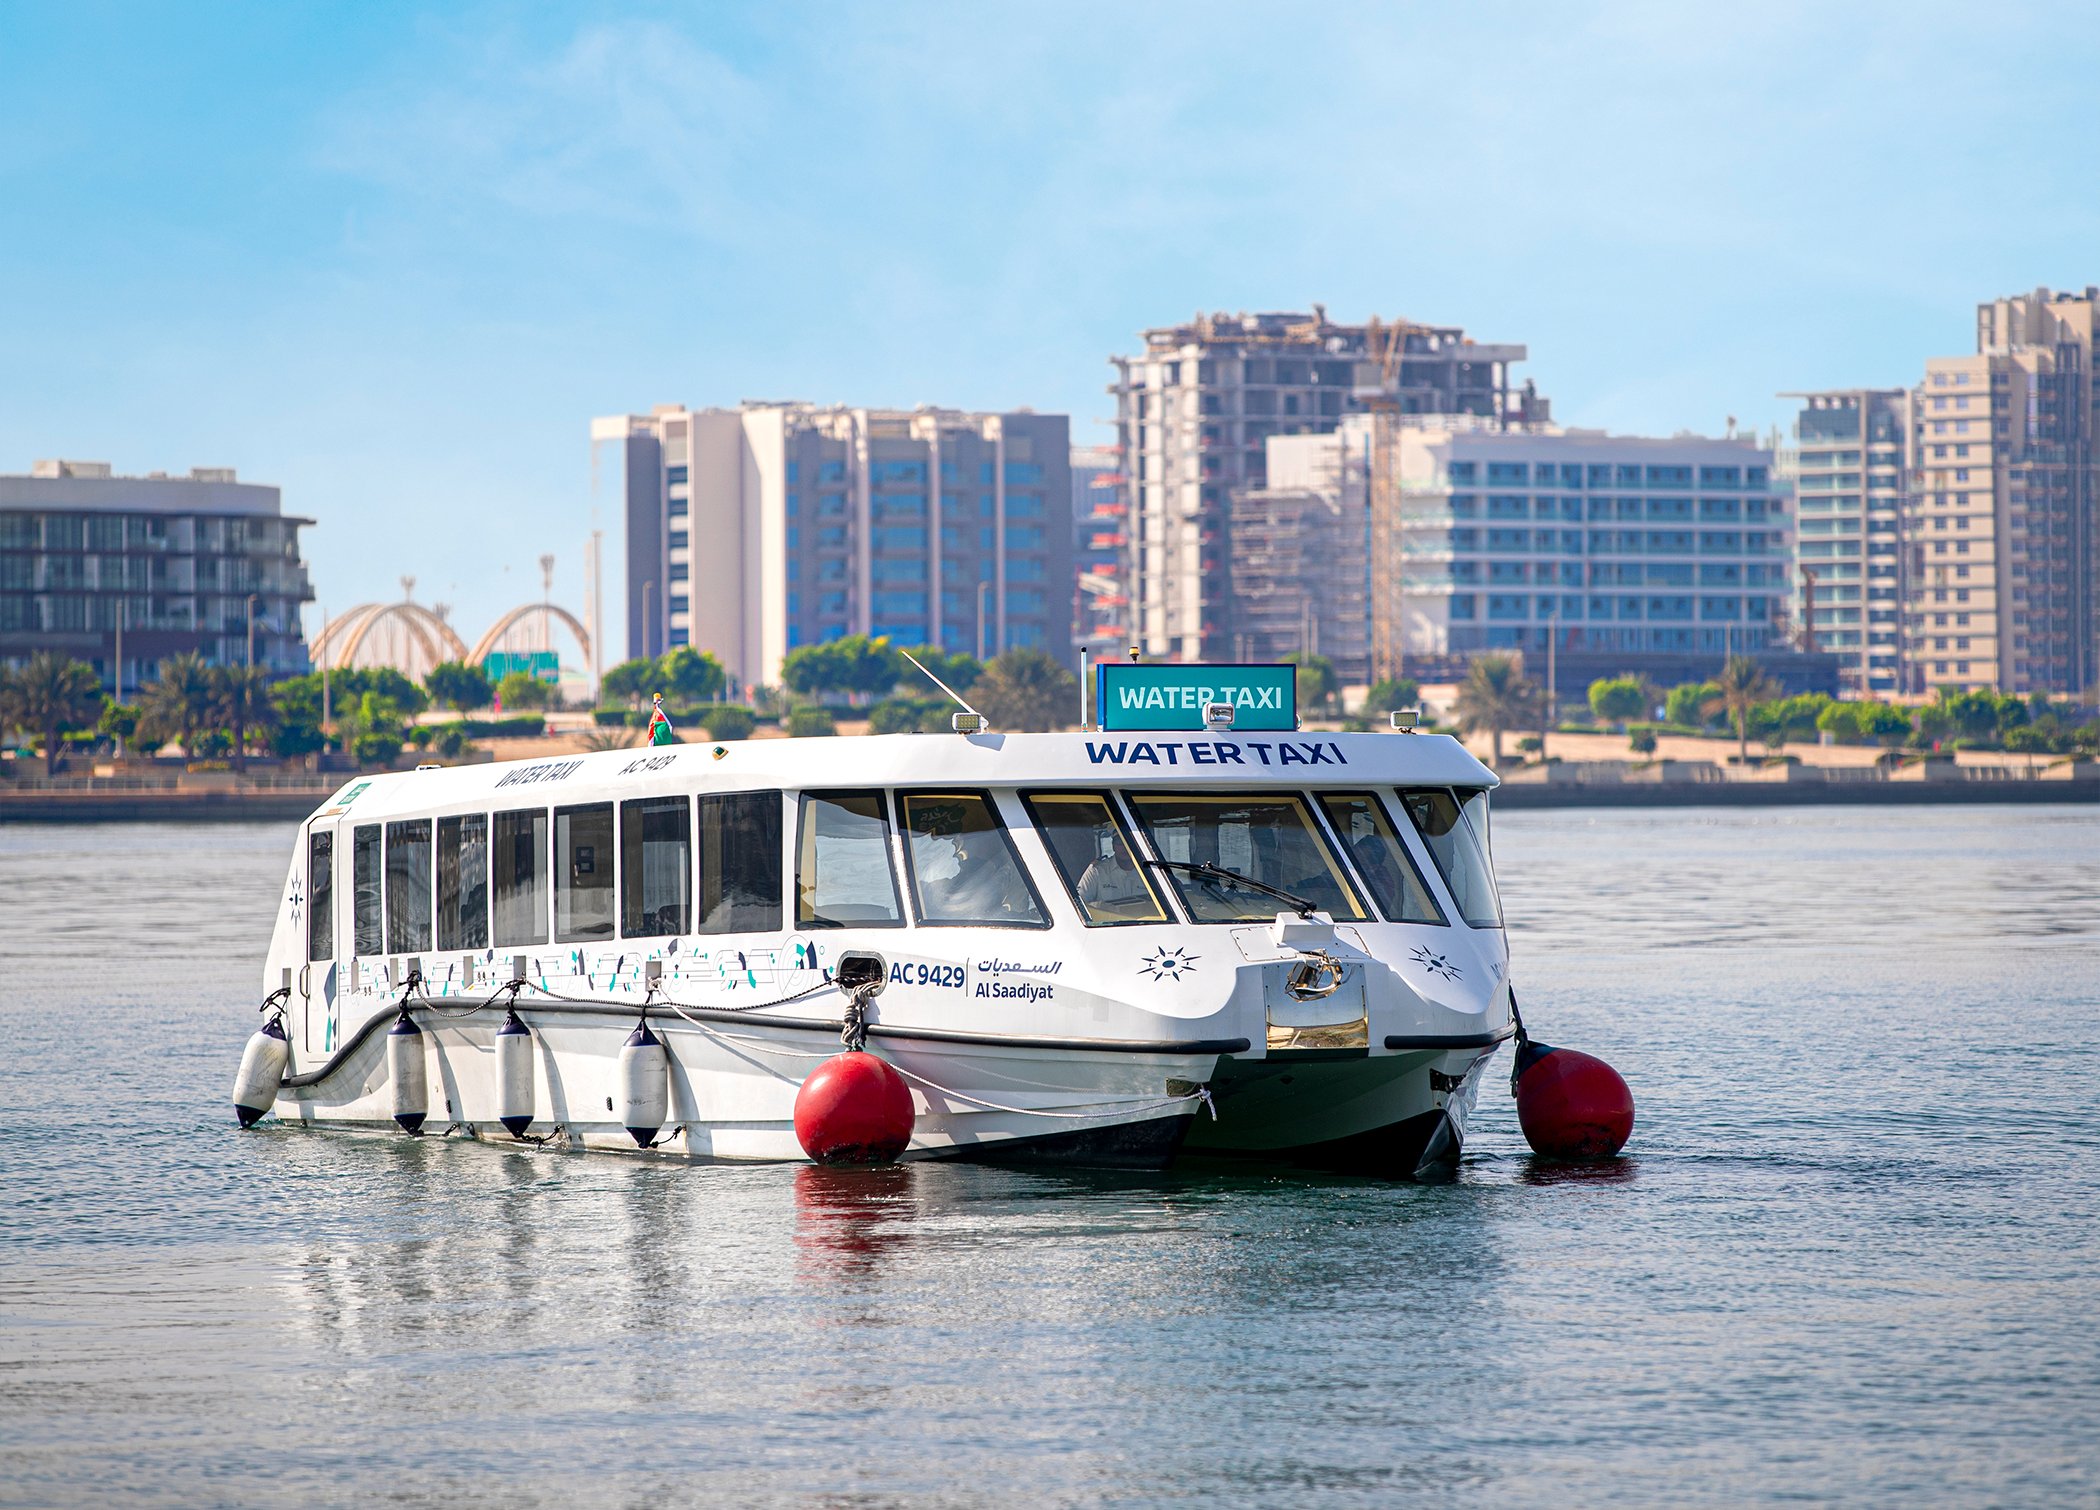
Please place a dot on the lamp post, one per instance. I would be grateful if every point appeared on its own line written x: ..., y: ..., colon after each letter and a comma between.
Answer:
x: 984, y: 592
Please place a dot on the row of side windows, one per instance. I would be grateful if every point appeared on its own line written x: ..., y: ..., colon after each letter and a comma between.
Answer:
x: 525, y: 877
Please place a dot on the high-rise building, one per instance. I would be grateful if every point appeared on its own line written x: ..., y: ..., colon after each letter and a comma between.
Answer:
x: 2002, y: 539
x: 755, y: 530
x: 161, y: 565
x: 1196, y: 407
x: 1852, y: 482
x: 1100, y: 607
x: 1300, y: 569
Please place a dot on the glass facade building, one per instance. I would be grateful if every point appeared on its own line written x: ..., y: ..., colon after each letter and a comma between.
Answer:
x: 754, y: 531
x: 166, y: 564
x: 1626, y: 544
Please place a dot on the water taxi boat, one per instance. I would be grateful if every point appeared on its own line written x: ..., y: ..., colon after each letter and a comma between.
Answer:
x: 1109, y: 947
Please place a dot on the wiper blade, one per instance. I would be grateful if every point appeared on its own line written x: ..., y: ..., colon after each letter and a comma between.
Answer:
x: 1210, y: 871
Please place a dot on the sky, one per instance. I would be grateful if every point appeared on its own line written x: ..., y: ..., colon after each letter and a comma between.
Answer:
x: 393, y: 258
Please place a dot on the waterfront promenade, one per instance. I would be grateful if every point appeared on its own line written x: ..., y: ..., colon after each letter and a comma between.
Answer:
x: 1829, y: 776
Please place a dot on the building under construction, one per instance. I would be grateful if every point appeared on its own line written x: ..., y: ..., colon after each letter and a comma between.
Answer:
x: 1196, y: 408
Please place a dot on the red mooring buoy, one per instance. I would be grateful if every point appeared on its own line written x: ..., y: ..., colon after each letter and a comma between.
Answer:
x: 853, y: 1109
x: 1571, y: 1105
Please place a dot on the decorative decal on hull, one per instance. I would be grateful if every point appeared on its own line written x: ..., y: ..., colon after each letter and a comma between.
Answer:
x: 1436, y: 964
x: 1168, y: 964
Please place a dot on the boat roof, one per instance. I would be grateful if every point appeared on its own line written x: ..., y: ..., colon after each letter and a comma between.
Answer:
x: 1227, y: 760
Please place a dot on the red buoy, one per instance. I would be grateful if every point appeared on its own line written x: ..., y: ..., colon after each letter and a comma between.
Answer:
x: 853, y: 1109
x: 1571, y: 1105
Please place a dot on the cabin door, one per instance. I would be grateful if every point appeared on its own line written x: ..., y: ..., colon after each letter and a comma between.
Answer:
x: 325, y: 856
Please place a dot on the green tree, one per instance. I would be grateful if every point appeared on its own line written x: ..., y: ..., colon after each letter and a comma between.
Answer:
x: 852, y: 664
x: 958, y: 669
x: 727, y: 721
x: 809, y: 720
x: 1390, y: 694
x: 119, y: 721
x: 1686, y: 705
x: 630, y: 681
x: 521, y: 689
x: 1317, y: 681
x: 1740, y: 687
x: 240, y: 697
x: 1640, y: 738
x: 1026, y: 690
x: 1617, y: 699
x: 53, y: 694
x: 181, y: 701
x: 1841, y: 721
x: 1497, y: 696
x: 460, y: 687
x: 373, y: 729
x: 688, y: 676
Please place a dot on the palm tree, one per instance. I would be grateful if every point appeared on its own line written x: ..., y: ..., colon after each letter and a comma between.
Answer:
x: 1026, y: 689
x: 1740, y: 687
x: 182, y: 698
x: 1497, y: 696
x: 241, y: 699
x: 54, y: 693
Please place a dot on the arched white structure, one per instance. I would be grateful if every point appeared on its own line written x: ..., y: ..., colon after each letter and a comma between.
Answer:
x: 522, y: 614
x: 406, y: 636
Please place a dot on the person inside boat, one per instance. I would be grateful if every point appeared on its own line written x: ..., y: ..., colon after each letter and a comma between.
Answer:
x: 1110, y: 881
x: 1375, y: 863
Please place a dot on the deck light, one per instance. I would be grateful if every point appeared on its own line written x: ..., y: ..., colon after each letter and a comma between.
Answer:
x: 966, y: 723
x: 1217, y: 715
x: 1405, y: 719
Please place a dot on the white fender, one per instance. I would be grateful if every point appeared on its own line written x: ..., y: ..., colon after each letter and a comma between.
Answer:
x: 645, y: 1085
x: 514, y: 1075
x: 407, y: 1074
x: 261, y: 1072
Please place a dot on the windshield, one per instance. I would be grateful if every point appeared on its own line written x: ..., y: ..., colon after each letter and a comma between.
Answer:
x: 1269, y: 838
x: 963, y: 870
x: 1460, y: 851
x: 1381, y: 859
x: 1094, y: 858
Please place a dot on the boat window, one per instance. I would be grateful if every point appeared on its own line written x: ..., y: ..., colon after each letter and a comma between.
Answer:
x: 1094, y: 858
x: 583, y: 874
x: 962, y: 865
x: 366, y: 934
x: 842, y: 863
x: 1458, y: 852
x: 1380, y: 858
x: 656, y: 867
x: 408, y: 886
x: 320, y: 895
x: 518, y: 861
x: 1268, y: 837
x: 740, y: 863
x: 463, y: 882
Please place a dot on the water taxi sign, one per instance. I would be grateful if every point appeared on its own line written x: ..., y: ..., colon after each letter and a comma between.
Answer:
x: 1164, y: 696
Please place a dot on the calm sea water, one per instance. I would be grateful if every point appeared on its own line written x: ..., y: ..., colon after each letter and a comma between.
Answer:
x: 1854, y: 1254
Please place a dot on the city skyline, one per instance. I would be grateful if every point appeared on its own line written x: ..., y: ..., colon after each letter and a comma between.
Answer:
x: 393, y: 264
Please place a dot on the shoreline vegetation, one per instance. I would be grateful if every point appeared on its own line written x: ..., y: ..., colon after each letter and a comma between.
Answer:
x: 206, y: 741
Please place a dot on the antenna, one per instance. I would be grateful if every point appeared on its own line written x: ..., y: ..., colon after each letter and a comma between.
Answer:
x: 957, y: 696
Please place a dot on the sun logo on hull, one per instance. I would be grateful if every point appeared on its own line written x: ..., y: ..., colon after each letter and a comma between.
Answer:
x: 1168, y: 964
x: 1436, y: 964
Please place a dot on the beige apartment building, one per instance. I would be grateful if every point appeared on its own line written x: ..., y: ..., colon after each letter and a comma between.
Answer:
x: 2001, y: 538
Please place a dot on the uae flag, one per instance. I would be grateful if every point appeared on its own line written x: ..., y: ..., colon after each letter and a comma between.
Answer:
x: 660, y: 726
